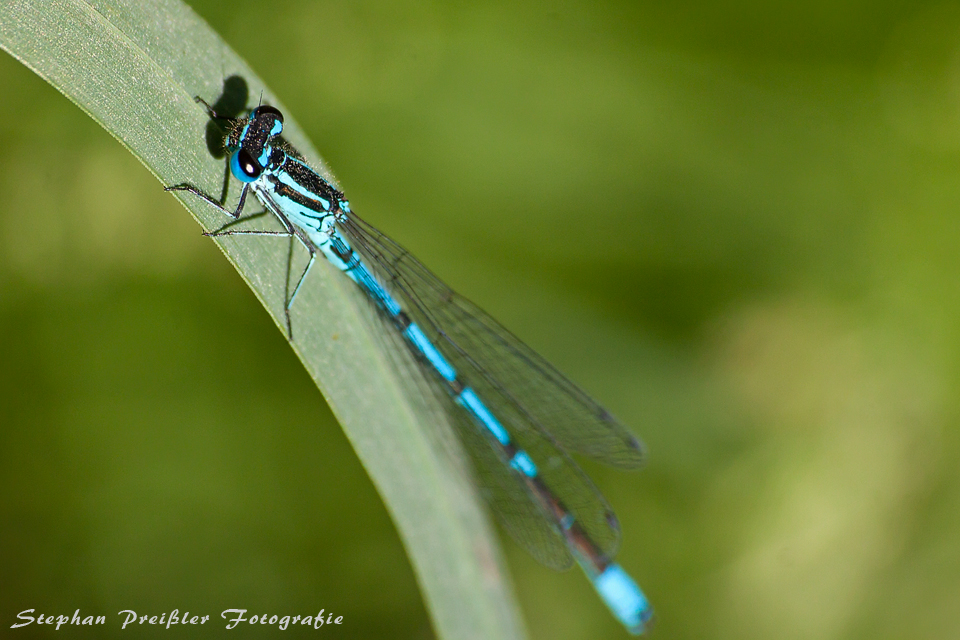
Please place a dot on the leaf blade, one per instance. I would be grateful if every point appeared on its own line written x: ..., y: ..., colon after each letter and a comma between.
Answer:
x: 135, y: 69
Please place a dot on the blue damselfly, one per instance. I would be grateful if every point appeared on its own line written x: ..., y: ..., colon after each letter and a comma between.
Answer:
x: 517, y: 415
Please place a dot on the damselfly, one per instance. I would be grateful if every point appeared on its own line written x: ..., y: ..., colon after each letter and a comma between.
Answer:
x: 517, y: 415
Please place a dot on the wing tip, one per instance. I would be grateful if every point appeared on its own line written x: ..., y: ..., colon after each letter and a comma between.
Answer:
x: 633, y: 455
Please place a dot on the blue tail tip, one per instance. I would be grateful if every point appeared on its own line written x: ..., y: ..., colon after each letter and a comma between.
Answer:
x: 624, y: 598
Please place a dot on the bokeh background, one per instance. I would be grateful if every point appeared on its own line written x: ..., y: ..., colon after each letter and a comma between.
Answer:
x: 736, y: 224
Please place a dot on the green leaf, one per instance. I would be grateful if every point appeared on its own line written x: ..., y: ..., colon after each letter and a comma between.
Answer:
x: 135, y: 68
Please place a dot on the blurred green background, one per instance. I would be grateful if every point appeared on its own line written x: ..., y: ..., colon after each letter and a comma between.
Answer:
x: 736, y: 224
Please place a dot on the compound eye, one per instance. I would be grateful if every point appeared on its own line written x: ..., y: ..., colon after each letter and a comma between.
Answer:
x: 274, y: 114
x: 267, y: 109
x: 244, y: 166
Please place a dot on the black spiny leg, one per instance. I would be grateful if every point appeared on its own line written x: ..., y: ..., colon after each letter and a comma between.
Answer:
x: 210, y: 112
x: 289, y: 232
x: 189, y: 188
x: 226, y: 230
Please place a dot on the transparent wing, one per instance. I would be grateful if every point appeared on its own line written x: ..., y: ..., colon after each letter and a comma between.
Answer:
x: 543, y: 411
x: 560, y: 409
x: 508, y: 496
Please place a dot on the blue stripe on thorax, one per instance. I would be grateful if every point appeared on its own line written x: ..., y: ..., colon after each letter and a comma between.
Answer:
x: 287, y: 178
x: 302, y: 215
